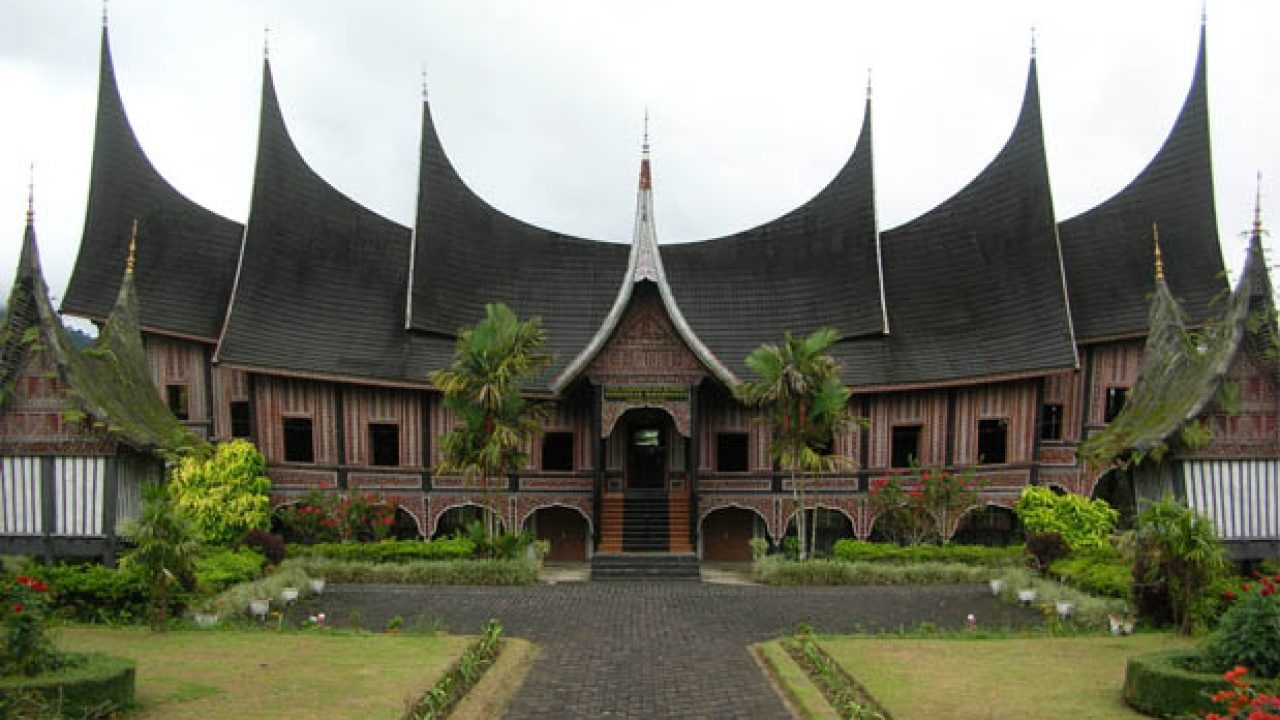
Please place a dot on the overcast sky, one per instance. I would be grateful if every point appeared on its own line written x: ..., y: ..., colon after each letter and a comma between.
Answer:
x: 753, y: 107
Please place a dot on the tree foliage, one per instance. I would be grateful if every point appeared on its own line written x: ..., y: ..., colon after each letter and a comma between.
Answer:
x: 493, y: 359
x: 224, y: 494
x: 1082, y: 523
x: 923, y: 505
x: 799, y: 389
x: 1179, y: 548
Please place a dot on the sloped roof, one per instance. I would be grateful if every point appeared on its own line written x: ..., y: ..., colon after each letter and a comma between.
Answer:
x: 321, y: 284
x: 466, y: 254
x: 1106, y: 249
x: 816, y: 266
x: 187, y: 253
x: 975, y: 286
x: 110, y: 381
x: 1180, y: 374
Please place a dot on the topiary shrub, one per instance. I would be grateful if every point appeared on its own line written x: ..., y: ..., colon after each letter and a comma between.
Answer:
x: 1175, y: 683
x: 94, y: 687
x: 1249, y: 631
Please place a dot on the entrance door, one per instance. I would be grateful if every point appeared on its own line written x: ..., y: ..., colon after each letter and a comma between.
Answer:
x: 647, y: 453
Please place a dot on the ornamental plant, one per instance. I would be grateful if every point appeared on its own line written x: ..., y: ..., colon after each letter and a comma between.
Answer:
x: 225, y: 494
x: 1241, y: 701
x: 924, y: 504
x: 1082, y: 523
x: 1178, y: 548
x: 327, y: 517
x: 24, y: 616
x: 1249, y: 631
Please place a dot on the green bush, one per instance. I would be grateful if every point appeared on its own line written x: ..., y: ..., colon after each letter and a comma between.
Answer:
x: 226, y: 493
x: 98, y: 685
x: 776, y: 570
x: 1249, y: 632
x: 1101, y: 571
x: 1082, y: 523
x: 979, y: 555
x: 393, y: 551
x: 1176, y: 683
x: 424, y: 572
x: 94, y: 593
x: 222, y: 568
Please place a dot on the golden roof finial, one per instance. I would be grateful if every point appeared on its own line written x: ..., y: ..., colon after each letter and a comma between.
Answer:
x: 133, y: 249
x: 1155, y: 235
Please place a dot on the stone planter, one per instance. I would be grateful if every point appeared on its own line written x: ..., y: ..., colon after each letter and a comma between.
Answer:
x: 206, y: 620
x: 317, y: 585
x: 997, y: 586
x: 1026, y: 597
x: 289, y: 595
x: 1064, y: 609
x: 258, y: 608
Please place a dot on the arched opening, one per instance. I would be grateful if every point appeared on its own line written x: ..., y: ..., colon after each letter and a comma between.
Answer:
x: 565, y: 528
x: 990, y: 525
x: 456, y: 519
x: 902, y: 527
x: 825, y: 527
x: 727, y: 532
x: 1116, y: 488
x: 404, y: 526
x: 646, y: 436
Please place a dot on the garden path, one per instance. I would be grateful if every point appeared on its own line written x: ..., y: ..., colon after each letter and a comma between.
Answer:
x: 659, y: 649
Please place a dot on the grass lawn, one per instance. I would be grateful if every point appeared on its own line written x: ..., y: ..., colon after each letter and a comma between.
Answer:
x: 261, y: 674
x: 1045, y: 678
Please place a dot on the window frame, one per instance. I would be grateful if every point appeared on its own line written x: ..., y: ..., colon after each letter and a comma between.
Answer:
x: 180, y: 405
x: 1055, y: 424
x: 1002, y: 423
x: 285, y: 422
x: 394, y: 434
x: 1110, y: 408
x: 248, y: 419
x: 542, y: 459
x: 893, y: 444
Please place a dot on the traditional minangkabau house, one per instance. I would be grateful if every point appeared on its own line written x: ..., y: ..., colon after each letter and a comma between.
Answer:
x: 986, y: 334
x: 80, y: 430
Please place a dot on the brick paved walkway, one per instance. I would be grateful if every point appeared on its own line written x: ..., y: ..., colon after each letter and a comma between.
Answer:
x: 660, y: 650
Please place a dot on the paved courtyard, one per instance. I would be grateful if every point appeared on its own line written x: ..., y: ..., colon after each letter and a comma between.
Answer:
x: 660, y: 649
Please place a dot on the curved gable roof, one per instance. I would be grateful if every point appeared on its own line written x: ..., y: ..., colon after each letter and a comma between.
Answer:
x: 975, y: 286
x: 1106, y: 252
x: 187, y: 254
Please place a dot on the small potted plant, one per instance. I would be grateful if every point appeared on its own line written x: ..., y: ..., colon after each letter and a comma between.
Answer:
x: 1027, y: 596
x: 259, y: 607
x: 208, y: 612
x: 1064, y: 608
x: 317, y: 585
x: 289, y: 595
x: 997, y: 585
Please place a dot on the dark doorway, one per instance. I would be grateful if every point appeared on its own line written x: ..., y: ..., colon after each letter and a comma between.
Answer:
x: 647, y: 451
x: 565, y: 529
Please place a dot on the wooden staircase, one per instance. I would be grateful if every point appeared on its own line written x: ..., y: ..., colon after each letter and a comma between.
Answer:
x: 654, y: 522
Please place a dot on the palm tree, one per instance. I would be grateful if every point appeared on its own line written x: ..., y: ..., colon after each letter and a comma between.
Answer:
x: 492, y: 360
x: 800, y: 391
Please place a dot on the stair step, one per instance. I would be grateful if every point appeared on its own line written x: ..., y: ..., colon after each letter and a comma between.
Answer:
x: 652, y: 566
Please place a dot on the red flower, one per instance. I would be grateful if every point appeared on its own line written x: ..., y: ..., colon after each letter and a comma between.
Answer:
x: 17, y: 607
x: 1228, y: 595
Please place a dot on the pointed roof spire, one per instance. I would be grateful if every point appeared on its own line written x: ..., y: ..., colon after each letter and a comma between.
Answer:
x: 31, y: 195
x: 424, y: 83
x: 104, y: 13
x: 133, y: 249
x: 868, y: 83
x: 266, y: 41
x: 1155, y: 238
x: 1257, y: 209
x: 1033, y: 41
x: 646, y: 179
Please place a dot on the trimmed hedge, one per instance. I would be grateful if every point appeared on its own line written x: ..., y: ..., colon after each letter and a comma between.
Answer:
x: 423, y: 572
x: 777, y: 571
x: 392, y: 551
x: 100, y: 684
x: 95, y: 593
x: 1168, y: 684
x: 979, y: 555
x: 1096, y: 575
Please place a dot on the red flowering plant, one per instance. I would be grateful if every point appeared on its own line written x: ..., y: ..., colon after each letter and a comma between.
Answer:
x: 326, y: 517
x: 923, y: 504
x: 24, y: 615
x: 1248, y: 632
x: 1241, y: 701
x: 310, y: 520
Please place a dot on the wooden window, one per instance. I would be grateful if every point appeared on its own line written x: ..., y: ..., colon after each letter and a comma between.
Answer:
x: 1051, y: 422
x: 384, y: 444
x: 241, y: 424
x: 1116, y: 397
x: 179, y: 397
x: 905, y: 447
x: 557, y: 451
x: 298, y: 442
x: 993, y: 441
x: 731, y: 452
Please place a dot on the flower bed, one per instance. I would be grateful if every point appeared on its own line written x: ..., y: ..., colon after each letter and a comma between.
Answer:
x: 1175, y: 683
x: 441, y: 698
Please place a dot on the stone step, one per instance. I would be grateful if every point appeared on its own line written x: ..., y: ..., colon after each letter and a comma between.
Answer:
x: 644, y: 566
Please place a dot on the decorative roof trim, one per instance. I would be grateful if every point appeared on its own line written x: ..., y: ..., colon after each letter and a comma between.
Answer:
x: 963, y: 382
x: 644, y: 264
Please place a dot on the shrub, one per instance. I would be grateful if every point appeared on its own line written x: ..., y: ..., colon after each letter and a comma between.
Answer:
x: 1178, y: 547
x: 1102, y: 572
x: 419, y: 572
x: 223, y: 568
x: 225, y: 494
x: 924, y: 504
x: 94, y: 593
x: 24, y: 615
x: 780, y: 571
x: 1242, y: 701
x: 320, y: 516
x: 269, y: 544
x: 979, y: 555
x: 93, y: 685
x: 394, y: 551
x: 1082, y: 523
x: 1249, y: 631
x: 164, y: 551
x: 1046, y: 548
